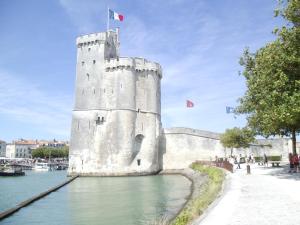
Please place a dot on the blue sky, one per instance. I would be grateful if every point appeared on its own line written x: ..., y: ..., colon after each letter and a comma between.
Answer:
x: 197, y: 42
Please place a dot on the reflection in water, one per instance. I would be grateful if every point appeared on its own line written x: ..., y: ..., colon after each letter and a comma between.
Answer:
x: 108, y: 201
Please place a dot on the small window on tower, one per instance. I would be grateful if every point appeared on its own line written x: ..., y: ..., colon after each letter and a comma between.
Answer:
x: 82, y: 63
x: 88, y: 76
x: 94, y: 91
x: 98, y: 121
x: 94, y: 61
x: 89, y: 49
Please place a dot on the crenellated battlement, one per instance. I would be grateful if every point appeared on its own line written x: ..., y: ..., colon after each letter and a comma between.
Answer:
x: 138, y: 64
x: 95, y: 38
x: 116, y: 118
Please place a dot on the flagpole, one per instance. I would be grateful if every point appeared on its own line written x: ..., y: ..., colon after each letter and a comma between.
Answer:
x: 107, y: 18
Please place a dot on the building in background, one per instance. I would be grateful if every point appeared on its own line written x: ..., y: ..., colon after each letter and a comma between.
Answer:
x: 53, y: 144
x: 23, y: 148
x: 2, y: 148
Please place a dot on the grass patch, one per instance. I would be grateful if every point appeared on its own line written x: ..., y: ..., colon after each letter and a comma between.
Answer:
x: 211, y: 190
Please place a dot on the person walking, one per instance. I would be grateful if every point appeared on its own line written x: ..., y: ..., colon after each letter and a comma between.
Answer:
x: 231, y: 161
x: 265, y: 160
x: 291, y: 162
x: 296, y: 163
x: 238, y: 159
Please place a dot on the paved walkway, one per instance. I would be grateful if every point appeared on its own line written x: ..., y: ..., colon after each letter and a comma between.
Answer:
x: 269, y: 196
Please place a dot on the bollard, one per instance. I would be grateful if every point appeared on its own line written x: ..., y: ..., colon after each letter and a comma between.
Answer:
x: 248, y: 169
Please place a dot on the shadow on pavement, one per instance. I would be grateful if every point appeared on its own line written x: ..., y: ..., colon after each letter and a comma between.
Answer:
x: 283, y: 173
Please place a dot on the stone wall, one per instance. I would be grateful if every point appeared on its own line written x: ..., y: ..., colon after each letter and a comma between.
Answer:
x: 179, y: 147
x: 182, y: 146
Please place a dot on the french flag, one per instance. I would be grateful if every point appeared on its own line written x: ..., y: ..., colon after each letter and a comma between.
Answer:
x: 115, y: 16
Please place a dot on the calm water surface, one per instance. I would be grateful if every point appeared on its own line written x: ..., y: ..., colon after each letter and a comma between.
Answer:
x: 14, y: 190
x: 102, y: 201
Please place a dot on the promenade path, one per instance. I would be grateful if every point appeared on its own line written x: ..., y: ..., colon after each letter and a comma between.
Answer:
x: 269, y: 196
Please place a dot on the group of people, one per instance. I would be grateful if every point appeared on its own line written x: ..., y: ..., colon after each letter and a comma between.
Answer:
x: 236, y: 160
x: 294, y: 162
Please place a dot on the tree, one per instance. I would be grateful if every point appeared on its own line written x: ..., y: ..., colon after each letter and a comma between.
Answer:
x: 272, y: 99
x: 237, y: 138
x: 46, y: 152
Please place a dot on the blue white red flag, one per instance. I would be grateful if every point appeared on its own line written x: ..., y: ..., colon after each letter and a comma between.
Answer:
x: 115, y: 16
x: 229, y: 109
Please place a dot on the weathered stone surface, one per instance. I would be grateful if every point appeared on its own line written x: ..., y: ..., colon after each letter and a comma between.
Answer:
x: 179, y: 147
x: 116, y: 119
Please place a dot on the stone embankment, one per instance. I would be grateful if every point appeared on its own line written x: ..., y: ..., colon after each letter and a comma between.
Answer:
x: 197, y: 179
x: 207, y: 186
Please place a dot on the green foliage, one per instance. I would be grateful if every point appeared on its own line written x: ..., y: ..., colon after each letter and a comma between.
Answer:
x: 270, y: 158
x: 237, y: 138
x: 46, y: 152
x: 211, y: 190
x: 258, y: 158
x: 274, y: 158
x: 291, y: 12
x: 272, y: 99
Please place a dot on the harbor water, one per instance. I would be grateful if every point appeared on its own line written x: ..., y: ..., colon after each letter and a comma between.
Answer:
x: 94, y: 200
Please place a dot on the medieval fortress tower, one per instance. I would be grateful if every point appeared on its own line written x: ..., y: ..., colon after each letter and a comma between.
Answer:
x: 116, y: 121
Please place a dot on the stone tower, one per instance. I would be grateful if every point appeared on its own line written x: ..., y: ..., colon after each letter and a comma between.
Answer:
x: 116, y: 121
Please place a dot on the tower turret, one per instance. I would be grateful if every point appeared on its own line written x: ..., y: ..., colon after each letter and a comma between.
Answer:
x: 116, y: 119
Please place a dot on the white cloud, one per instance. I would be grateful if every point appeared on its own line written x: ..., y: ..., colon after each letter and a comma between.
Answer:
x: 29, y: 104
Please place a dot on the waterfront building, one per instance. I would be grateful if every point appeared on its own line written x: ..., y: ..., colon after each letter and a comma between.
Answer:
x: 21, y: 148
x: 2, y: 148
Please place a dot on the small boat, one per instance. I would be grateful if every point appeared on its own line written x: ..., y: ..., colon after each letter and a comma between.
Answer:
x: 61, y: 167
x: 11, y: 173
x: 42, y: 167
